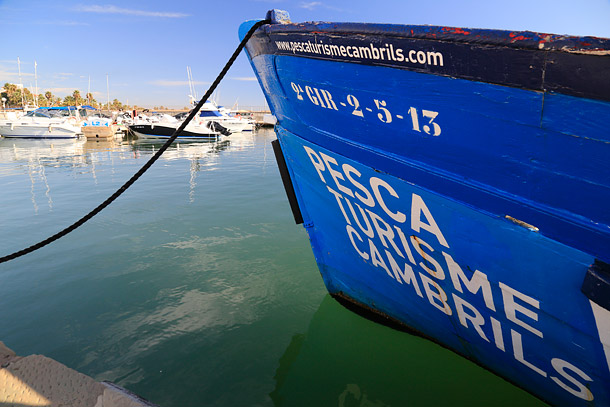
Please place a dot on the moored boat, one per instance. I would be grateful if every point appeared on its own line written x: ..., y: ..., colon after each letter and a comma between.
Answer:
x: 193, y: 131
x: 455, y: 182
x: 48, y: 122
x: 210, y: 112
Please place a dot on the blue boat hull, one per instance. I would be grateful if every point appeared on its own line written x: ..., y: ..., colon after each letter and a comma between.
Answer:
x: 470, y: 211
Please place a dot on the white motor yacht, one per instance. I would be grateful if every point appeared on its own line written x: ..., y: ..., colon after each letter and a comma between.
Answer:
x: 46, y: 122
x: 164, y: 126
x: 210, y: 112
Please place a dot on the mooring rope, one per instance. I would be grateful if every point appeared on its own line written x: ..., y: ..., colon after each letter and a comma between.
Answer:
x: 148, y: 164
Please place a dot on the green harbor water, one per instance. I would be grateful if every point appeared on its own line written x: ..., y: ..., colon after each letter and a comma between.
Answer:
x: 196, y: 288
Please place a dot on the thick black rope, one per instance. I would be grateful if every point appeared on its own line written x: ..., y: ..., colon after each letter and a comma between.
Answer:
x: 148, y: 164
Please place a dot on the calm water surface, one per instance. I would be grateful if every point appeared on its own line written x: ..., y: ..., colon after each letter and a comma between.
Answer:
x: 196, y: 288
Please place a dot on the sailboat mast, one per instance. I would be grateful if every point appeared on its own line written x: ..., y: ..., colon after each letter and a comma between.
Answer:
x: 36, y: 82
x: 108, y: 92
x: 193, y: 82
x: 21, y: 84
x: 192, y: 91
x: 188, y: 77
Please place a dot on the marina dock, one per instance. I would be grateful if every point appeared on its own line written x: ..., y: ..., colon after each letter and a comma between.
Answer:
x: 37, y: 380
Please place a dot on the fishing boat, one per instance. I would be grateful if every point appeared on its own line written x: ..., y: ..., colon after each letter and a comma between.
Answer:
x: 47, y: 122
x: 455, y: 182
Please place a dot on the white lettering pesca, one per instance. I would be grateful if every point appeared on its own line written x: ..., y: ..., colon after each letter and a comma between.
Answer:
x: 367, y: 199
x: 376, y: 184
x: 382, y: 191
x: 419, y: 208
x: 336, y: 175
x: 317, y: 162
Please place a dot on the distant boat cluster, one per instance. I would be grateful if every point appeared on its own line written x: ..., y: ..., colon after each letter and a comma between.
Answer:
x: 211, y: 122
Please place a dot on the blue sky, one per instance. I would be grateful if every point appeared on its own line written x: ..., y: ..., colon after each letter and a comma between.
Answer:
x: 145, y: 46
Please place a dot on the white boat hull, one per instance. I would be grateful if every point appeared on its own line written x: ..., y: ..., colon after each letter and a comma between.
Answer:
x: 40, y: 131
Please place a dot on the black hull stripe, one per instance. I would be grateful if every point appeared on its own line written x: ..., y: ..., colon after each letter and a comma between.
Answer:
x: 166, y: 132
x: 582, y: 73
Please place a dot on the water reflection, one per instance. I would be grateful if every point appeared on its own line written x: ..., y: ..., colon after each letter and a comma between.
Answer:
x: 80, y: 152
x: 202, y: 155
x: 33, y: 157
x: 182, y: 149
x: 41, y: 152
x: 345, y: 360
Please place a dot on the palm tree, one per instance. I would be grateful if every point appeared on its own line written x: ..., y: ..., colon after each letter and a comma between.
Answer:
x: 49, y: 96
x: 13, y: 94
x: 69, y: 101
x: 78, y: 100
x: 42, y: 101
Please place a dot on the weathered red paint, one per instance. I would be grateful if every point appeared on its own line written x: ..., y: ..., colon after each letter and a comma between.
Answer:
x: 514, y: 37
x: 455, y: 30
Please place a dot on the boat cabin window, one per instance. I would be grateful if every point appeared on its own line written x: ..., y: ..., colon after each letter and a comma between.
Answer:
x: 101, y: 115
x: 207, y: 113
x: 38, y: 113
